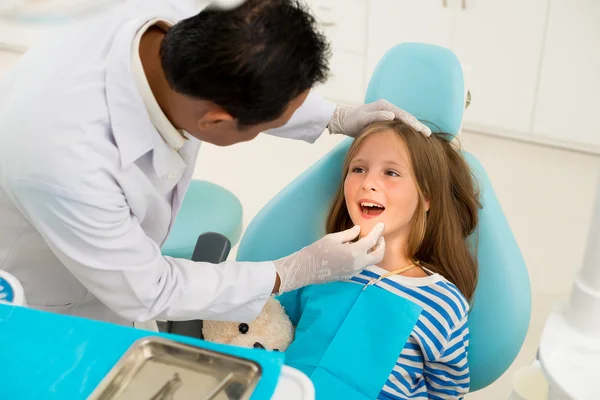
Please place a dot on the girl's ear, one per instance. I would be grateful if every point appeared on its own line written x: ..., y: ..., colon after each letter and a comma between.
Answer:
x: 426, y: 201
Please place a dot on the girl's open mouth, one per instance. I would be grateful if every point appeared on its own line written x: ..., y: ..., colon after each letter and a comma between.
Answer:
x: 370, y: 209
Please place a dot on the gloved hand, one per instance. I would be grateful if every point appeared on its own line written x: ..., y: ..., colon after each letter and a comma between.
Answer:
x: 351, y: 121
x: 331, y: 258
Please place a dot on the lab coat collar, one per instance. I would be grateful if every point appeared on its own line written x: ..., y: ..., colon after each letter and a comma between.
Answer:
x: 132, y: 128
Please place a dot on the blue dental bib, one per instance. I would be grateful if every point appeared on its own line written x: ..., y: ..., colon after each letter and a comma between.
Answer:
x: 347, y: 339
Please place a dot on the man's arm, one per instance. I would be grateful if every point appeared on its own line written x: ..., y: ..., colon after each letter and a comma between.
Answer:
x: 316, y: 114
x: 309, y: 121
x: 95, y: 235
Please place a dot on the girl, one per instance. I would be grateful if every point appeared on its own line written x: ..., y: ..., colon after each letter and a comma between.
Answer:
x: 422, y: 190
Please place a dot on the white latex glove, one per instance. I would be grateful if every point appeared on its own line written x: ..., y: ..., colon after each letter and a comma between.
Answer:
x: 331, y: 258
x: 351, y: 121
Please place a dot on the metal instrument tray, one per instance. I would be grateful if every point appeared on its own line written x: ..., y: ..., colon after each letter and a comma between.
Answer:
x: 155, y: 368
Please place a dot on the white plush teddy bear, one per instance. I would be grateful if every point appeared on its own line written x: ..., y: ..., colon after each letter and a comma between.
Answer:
x: 271, y: 330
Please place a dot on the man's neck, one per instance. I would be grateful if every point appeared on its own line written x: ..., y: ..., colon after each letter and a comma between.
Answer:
x: 150, y: 57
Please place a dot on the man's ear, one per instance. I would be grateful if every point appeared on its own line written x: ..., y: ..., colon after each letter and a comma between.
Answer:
x: 214, y: 117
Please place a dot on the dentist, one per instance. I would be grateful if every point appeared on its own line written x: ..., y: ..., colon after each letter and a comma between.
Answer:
x: 99, y: 134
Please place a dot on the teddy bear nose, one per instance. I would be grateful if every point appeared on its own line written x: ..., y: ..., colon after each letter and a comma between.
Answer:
x: 243, y: 328
x: 258, y: 346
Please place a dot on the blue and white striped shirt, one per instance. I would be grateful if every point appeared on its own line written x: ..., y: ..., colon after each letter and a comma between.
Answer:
x: 433, y: 363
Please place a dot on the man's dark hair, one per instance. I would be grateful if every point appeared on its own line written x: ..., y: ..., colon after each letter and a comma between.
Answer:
x: 252, y: 60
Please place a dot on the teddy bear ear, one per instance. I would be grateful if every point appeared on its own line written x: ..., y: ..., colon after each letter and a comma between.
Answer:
x: 269, y: 309
x: 273, y: 305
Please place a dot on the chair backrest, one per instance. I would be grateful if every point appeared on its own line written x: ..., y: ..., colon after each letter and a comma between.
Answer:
x: 427, y: 81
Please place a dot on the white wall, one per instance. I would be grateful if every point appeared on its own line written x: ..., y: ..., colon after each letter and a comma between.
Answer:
x: 534, y: 64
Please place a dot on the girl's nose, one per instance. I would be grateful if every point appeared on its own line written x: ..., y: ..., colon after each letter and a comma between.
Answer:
x: 370, y: 183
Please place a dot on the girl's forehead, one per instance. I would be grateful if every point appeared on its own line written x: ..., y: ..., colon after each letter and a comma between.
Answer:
x: 380, y: 145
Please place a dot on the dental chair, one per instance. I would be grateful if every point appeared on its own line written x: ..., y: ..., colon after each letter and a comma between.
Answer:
x: 208, y: 224
x: 427, y: 81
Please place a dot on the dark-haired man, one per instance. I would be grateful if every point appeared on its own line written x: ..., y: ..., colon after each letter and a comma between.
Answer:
x: 99, y: 134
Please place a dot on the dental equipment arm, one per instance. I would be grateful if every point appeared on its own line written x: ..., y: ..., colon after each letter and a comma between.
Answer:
x: 570, y: 347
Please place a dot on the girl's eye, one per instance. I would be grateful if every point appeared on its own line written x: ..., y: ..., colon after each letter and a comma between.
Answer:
x: 392, y: 173
x: 358, y: 170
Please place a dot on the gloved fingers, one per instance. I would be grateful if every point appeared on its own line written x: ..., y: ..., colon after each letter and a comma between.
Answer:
x: 411, y: 121
x: 380, y: 243
x: 347, y: 235
x: 379, y: 105
x: 417, y: 125
x: 379, y: 116
x: 368, y: 242
x: 376, y: 255
x: 399, y: 114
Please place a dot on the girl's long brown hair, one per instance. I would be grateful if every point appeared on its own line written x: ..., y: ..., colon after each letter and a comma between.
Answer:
x: 438, y: 237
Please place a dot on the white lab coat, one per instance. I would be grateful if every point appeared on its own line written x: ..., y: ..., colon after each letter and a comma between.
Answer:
x: 83, y: 182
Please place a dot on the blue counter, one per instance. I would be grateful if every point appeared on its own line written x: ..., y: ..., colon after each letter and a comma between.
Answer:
x: 51, y: 356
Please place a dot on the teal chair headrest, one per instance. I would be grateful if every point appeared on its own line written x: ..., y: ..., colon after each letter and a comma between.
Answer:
x: 427, y: 81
